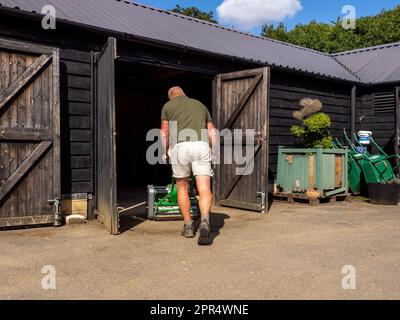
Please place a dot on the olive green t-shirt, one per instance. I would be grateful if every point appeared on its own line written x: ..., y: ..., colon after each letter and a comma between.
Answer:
x: 187, y: 114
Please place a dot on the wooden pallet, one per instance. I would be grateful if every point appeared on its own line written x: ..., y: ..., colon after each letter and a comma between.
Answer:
x: 303, y: 198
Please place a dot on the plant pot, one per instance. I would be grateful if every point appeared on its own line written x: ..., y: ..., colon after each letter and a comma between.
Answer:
x: 315, y: 172
x: 384, y: 194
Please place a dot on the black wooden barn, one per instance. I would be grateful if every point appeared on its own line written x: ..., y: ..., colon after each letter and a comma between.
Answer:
x: 77, y: 101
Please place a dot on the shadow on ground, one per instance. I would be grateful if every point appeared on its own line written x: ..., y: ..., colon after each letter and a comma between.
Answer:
x: 217, y: 222
x: 129, y: 221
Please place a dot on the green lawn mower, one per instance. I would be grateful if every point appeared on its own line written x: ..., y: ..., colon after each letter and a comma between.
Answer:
x: 162, y: 202
x: 374, y: 168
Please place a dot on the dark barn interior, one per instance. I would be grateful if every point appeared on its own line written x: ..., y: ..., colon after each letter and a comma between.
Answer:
x: 141, y: 92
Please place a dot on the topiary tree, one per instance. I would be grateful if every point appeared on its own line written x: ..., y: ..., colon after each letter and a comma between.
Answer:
x: 314, y: 130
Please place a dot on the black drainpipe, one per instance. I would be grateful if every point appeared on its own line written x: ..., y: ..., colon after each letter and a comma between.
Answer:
x: 353, y: 111
x: 397, y: 140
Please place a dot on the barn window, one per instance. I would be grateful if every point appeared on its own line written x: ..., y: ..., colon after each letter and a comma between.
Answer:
x: 384, y: 102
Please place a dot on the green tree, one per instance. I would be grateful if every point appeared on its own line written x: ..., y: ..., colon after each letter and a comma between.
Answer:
x: 332, y: 37
x: 195, y: 13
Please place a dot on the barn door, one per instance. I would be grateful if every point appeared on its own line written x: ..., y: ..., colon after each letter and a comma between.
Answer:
x: 29, y: 133
x: 241, y: 102
x: 106, y: 181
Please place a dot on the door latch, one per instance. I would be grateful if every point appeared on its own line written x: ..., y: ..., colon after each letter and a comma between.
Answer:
x: 57, y: 213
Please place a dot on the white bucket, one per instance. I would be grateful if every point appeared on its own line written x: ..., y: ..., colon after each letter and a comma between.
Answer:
x: 364, y: 137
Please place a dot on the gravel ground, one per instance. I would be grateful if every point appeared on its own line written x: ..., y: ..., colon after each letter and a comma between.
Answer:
x: 295, y: 252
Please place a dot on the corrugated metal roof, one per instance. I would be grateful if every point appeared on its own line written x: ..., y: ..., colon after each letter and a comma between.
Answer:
x: 151, y: 23
x: 375, y: 64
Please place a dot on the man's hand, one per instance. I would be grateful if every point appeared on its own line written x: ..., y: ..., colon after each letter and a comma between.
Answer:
x: 165, y: 158
x: 213, y: 158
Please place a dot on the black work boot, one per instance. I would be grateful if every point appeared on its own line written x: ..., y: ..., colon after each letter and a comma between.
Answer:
x: 204, y: 230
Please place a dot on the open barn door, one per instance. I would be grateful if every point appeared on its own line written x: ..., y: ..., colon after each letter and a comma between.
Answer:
x: 241, y: 102
x: 106, y: 180
x: 29, y: 134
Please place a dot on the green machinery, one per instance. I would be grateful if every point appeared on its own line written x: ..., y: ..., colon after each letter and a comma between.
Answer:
x: 162, y: 202
x: 373, y: 168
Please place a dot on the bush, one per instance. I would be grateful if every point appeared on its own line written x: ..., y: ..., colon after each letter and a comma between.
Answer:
x: 314, y: 130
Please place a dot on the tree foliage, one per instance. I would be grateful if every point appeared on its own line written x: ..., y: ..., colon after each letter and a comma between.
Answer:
x: 195, y: 13
x: 332, y: 37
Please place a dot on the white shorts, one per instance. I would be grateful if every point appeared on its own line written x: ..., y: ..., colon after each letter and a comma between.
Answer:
x: 189, y: 158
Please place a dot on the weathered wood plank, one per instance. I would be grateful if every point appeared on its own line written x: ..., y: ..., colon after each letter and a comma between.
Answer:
x: 81, y: 162
x: 240, y: 205
x: 26, y: 47
x: 81, y: 175
x: 27, y: 76
x: 17, y: 134
x: 237, y: 177
x: 81, y: 135
x: 75, y: 55
x: 241, y: 74
x: 30, y: 184
x: 18, y: 201
x: 26, y: 221
x: 25, y: 167
x: 80, y: 122
x: 106, y: 144
x: 77, y: 82
x: 56, y: 122
x: 79, y: 109
x: 75, y: 68
x: 242, y: 103
x: 81, y: 148
x: 238, y: 97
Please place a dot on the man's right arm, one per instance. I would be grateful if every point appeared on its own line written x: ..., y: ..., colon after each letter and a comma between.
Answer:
x: 165, y: 138
x: 165, y: 133
x: 213, y: 138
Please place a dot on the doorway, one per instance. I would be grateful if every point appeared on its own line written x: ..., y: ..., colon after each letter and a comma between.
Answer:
x: 140, y: 94
x: 129, y: 99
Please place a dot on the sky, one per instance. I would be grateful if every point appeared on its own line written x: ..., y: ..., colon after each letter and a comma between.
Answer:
x: 249, y: 15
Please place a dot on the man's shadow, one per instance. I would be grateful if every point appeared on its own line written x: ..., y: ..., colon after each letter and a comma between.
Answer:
x: 217, y: 222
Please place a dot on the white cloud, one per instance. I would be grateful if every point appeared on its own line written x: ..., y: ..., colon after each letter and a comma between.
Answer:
x: 252, y: 13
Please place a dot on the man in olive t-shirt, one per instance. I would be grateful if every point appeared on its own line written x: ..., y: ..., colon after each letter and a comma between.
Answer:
x: 186, y: 131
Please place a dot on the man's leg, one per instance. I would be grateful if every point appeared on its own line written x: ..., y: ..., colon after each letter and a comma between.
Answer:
x: 185, y: 206
x: 203, y: 184
x: 183, y: 198
x: 205, y: 201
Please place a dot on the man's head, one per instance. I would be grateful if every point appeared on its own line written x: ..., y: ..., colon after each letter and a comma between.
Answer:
x: 175, y: 92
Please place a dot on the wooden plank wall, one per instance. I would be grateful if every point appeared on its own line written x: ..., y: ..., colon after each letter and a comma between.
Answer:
x: 382, y: 126
x: 286, y: 91
x: 76, y: 94
x: 77, y: 122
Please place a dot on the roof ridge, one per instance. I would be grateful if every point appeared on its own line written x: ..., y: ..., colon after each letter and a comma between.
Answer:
x: 354, y: 51
x: 354, y: 74
x: 221, y: 27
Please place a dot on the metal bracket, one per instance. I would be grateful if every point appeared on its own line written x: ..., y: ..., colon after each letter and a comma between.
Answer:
x: 263, y: 197
x: 57, y: 213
